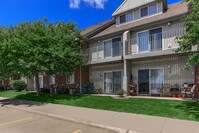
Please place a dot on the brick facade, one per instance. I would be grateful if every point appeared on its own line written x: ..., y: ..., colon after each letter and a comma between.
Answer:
x: 60, y: 80
x: 197, y: 81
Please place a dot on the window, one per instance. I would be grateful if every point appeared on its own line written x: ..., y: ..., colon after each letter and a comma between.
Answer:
x: 122, y: 19
x: 70, y: 78
x: 153, y: 9
x: 144, y: 12
x: 126, y: 17
x: 51, y: 79
x: 129, y: 16
x: 149, y: 10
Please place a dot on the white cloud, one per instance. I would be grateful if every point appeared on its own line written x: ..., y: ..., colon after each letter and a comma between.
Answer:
x: 94, y: 3
x: 74, y: 3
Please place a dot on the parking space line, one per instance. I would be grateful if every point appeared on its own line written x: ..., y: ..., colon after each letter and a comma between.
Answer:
x: 15, y: 121
x: 77, y: 131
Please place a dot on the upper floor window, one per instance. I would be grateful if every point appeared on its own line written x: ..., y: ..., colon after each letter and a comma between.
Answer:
x: 129, y: 16
x: 122, y: 19
x: 126, y: 17
x: 149, y: 10
x: 144, y: 12
x: 153, y: 9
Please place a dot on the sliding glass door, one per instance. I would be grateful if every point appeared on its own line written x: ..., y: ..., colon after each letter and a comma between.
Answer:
x: 156, y: 39
x: 112, y: 82
x: 143, y: 81
x: 107, y: 48
x: 116, y: 43
x: 150, y: 81
x: 156, y: 80
x: 112, y: 48
x: 150, y: 40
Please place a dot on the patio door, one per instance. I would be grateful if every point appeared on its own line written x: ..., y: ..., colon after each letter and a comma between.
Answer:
x: 150, y: 81
x: 143, y: 41
x: 156, y: 80
x: 117, y: 81
x: 112, y: 82
x: 108, y: 82
x: 156, y: 39
x: 116, y: 46
x: 143, y: 81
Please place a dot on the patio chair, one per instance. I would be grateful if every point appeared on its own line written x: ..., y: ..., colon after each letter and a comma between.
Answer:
x: 165, y: 91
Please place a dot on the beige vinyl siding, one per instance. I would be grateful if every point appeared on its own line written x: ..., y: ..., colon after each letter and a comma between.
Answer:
x: 169, y: 35
x: 96, y: 51
x: 173, y: 69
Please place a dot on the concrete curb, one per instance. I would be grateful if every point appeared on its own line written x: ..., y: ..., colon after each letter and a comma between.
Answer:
x: 87, y: 123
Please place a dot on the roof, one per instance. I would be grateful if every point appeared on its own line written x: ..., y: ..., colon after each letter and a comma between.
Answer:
x: 94, y: 29
x: 174, y: 10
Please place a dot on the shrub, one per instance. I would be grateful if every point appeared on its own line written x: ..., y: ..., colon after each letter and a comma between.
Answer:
x: 19, y: 85
x: 121, y: 93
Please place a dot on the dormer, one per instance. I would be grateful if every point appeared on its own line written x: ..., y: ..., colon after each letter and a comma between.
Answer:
x: 132, y: 10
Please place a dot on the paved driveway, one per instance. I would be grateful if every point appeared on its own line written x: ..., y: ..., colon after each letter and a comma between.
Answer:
x: 14, y: 121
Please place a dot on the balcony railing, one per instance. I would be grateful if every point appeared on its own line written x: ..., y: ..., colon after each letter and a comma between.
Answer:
x: 153, y: 42
x: 103, y: 52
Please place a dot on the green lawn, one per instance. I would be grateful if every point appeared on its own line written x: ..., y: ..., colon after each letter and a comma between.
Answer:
x: 187, y: 110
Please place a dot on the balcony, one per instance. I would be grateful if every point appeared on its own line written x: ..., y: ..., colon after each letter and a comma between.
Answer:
x: 149, y: 44
x: 102, y: 53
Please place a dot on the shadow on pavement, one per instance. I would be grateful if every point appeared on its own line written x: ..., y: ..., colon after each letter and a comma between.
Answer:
x: 19, y: 102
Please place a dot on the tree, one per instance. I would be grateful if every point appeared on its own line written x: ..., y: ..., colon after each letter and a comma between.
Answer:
x: 30, y: 48
x: 191, y: 38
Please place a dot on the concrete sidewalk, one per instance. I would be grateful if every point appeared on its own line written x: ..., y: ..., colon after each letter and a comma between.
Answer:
x: 108, y: 119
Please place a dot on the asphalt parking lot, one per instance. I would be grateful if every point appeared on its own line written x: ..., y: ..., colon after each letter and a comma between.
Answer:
x: 15, y: 121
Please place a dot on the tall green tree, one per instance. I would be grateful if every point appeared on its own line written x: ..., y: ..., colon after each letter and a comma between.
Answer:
x: 30, y: 48
x: 191, y: 38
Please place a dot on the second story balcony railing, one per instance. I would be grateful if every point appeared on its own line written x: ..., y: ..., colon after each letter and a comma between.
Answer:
x: 103, y: 52
x: 153, y: 41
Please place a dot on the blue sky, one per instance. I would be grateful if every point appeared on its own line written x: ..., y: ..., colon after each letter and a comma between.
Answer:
x: 83, y: 12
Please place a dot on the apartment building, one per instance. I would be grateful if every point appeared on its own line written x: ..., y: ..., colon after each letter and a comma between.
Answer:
x: 141, y: 46
x: 138, y: 44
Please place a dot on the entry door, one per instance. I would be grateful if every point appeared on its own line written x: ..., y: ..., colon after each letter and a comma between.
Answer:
x: 108, y: 83
x: 143, y: 81
x: 156, y: 78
